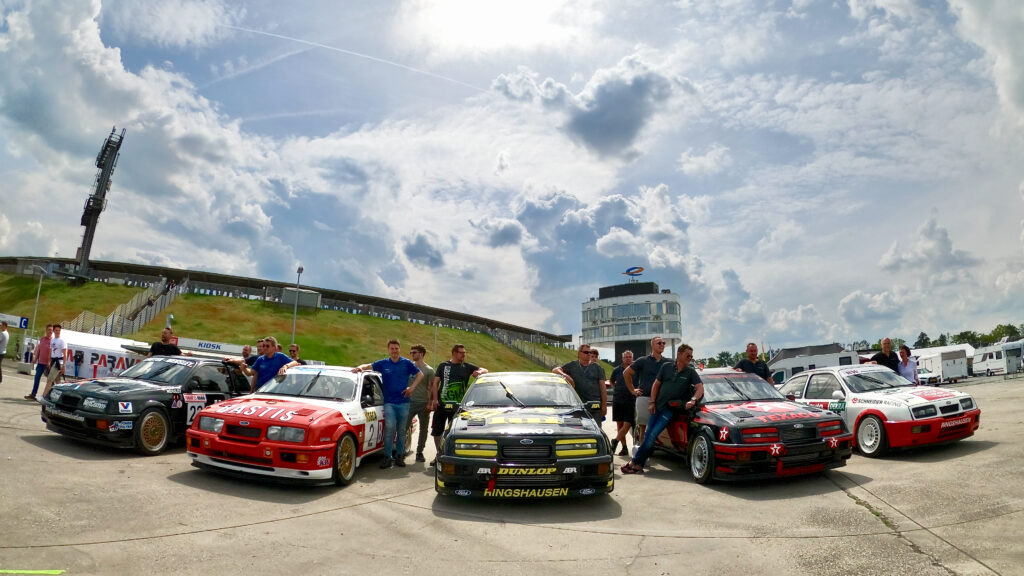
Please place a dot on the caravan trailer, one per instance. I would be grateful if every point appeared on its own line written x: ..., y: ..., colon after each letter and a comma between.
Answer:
x: 1000, y: 358
x: 790, y: 361
x: 951, y: 366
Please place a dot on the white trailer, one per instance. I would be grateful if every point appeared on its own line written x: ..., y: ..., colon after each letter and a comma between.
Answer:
x: 795, y: 360
x: 1001, y: 358
x: 951, y: 366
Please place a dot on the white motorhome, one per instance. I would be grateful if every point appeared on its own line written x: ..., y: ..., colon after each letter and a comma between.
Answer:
x: 790, y: 361
x: 951, y: 366
x: 96, y: 356
x: 1000, y: 358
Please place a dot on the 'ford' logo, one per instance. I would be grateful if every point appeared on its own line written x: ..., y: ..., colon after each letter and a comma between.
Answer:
x: 463, y: 493
x: 243, y: 423
x: 526, y: 441
x: 586, y: 492
x: 798, y: 425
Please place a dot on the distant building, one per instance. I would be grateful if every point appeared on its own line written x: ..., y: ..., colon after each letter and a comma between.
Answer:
x: 627, y: 316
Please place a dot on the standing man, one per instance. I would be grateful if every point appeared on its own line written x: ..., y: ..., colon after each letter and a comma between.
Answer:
x: 164, y: 346
x: 623, y: 404
x: 752, y: 364
x: 41, y: 358
x: 587, y: 377
x: 293, y: 352
x: 55, y: 371
x: 395, y: 372
x: 4, y: 339
x: 451, y: 380
x: 272, y: 363
x: 678, y: 388
x: 887, y: 357
x: 645, y: 372
x: 419, y: 398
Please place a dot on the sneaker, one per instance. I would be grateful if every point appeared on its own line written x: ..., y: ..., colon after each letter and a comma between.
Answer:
x: 615, y: 444
x: 400, y: 462
x: 30, y: 397
x: 386, y: 463
x: 433, y: 462
x: 420, y: 458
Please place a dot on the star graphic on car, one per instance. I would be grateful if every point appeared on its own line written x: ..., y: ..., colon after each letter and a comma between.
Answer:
x: 723, y: 434
x: 776, y: 449
x: 833, y: 442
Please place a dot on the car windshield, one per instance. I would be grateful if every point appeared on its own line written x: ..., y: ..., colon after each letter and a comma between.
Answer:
x: 162, y: 370
x: 739, y: 388
x: 528, y: 393
x: 874, y: 380
x: 312, y: 385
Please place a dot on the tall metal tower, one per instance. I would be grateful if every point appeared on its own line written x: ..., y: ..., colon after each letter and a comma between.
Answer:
x: 106, y: 161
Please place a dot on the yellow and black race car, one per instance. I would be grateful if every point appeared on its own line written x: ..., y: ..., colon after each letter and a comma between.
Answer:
x: 523, y: 435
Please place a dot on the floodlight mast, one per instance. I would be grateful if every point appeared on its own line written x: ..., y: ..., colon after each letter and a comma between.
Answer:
x: 106, y: 161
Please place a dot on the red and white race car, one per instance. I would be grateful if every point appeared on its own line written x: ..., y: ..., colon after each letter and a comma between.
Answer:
x: 883, y: 409
x: 314, y: 424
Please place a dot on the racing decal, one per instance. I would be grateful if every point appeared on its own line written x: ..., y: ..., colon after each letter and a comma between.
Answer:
x: 193, y: 404
x: 124, y: 407
x: 790, y: 416
x: 723, y: 434
x: 933, y: 393
x: 524, y: 420
x: 768, y: 407
x: 957, y: 422
x: 833, y: 442
x: 526, y: 492
x: 323, y: 461
x: 878, y: 402
x: 120, y: 425
x: 526, y: 471
x: 836, y: 406
x: 176, y: 401
x: 268, y: 412
x: 374, y: 430
x: 775, y: 449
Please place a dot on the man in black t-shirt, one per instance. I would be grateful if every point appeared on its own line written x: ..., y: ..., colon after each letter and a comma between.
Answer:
x: 753, y: 365
x: 587, y: 377
x: 640, y: 377
x: 887, y: 357
x: 164, y: 346
x: 451, y: 380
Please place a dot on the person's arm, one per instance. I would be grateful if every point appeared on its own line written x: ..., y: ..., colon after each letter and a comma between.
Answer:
x: 363, y: 368
x: 252, y: 387
x: 415, y: 382
x: 285, y: 368
x: 697, y: 395
x: 561, y: 372
x: 604, y: 396
x: 654, y: 396
x: 479, y: 372
x: 627, y: 375
x: 432, y: 393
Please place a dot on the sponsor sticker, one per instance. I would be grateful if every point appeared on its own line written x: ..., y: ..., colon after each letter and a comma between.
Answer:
x: 837, y: 406
x: 120, y: 425
x: 526, y: 471
x: 195, y: 398
x: 526, y: 492
x: 63, y: 414
x: 957, y: 422
x: 124, y: 407
x: 323, y: 461
x: 114, y: 426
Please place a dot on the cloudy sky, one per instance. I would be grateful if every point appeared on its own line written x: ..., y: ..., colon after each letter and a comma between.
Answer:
x: 799, y: 171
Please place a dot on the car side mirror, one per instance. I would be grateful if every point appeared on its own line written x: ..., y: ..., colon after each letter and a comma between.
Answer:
x: 367, y: 400
x: 791, y: 397
x: 838, y: 395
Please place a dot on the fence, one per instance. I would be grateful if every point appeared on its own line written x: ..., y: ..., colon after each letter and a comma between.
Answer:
x: 131, y: 316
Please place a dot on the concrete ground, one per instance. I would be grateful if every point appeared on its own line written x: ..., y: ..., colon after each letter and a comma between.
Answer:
x: 80, y: 509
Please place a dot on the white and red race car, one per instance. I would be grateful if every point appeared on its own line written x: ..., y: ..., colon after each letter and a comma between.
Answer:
x: 314, y: 424
x: 883, y: 409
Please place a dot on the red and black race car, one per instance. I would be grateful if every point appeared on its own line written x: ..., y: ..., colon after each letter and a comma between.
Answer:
x: 743, y: 428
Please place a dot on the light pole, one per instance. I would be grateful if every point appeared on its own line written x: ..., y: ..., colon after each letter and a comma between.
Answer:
x: 35, y: 310
x: 295, y: 311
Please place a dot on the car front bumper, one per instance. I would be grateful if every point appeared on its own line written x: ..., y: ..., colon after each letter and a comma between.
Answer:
x: 104, y: 429
x: 775, y: 460
x: 285, y: 461
x: 937, y: 430
x: 488, y: 478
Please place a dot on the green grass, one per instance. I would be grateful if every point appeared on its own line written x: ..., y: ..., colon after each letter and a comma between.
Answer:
x: 331, y: 336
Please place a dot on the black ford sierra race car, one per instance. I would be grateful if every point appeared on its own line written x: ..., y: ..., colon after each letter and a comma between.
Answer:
x: 744, y: 429
x: 146, y: 407
x: 523, y: 435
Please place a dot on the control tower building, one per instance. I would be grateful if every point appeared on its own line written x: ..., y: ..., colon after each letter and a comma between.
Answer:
x: 627, y: 316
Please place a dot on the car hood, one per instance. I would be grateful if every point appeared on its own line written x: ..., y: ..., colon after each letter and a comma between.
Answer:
x: 514, y: 421
x: 115, y: 387
x: 907, y: 395
x: 766, y: 411
x: 266, y: 408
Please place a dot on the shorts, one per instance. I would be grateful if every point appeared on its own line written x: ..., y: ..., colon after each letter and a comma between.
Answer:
x: 643, y: 410
x: 53, y: 374
x: 624, y: 412
x: 439, y: 421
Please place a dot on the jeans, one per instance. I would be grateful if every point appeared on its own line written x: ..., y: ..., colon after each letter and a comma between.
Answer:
x: 40, y: 369
x: 396, y: 419
x: 657, y: 424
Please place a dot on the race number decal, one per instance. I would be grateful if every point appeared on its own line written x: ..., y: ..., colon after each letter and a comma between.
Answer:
x: 373, y: 433
x: 193, y: 404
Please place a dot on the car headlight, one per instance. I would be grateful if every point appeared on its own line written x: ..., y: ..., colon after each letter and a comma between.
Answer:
x: 286, y: 434
x: 481, y: 447
x: 576, y: 447
x: 55, y: 394
x: 924, y: 411
x: 98, y: 404
x: 208, y: 424
x: 967, y: 403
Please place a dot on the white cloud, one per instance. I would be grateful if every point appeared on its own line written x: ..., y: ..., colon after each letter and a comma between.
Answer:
x: 714, y: 161
x: 172, y: 23
x: 932, y: 252
x: 996, y: 26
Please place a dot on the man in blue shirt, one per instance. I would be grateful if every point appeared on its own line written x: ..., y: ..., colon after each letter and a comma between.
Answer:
x: 395, y: 371
x: 271, y: 364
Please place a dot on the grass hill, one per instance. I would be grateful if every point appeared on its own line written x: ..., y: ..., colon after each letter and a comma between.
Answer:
x: 334, y: 337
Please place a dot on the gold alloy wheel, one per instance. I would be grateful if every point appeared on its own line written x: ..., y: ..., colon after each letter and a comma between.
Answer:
x: 345, y: 460
x: 152, y: 432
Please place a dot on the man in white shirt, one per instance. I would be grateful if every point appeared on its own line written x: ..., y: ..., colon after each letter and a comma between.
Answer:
x: 4, y: 338
x: 58, y: 347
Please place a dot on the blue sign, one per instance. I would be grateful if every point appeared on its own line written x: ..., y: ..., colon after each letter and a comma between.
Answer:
x: 23, y: 324
x: 634, y: 271
x: 19, y: 321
